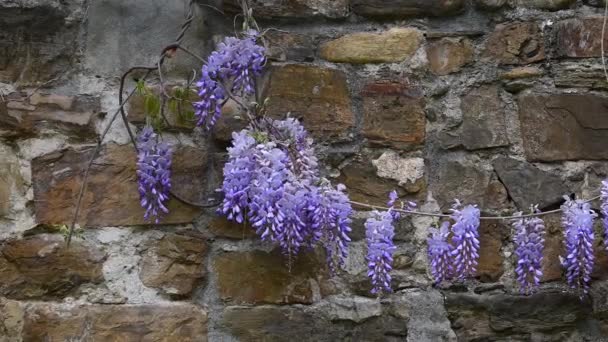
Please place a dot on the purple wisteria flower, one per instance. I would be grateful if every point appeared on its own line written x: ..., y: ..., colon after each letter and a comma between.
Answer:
x: 578, y: 223
x: 379, y: 233
x: 153, y: 174
x: 465, y: 249
x: 529, y: 243
x: 330, y: 216
x: 235, y: 64
x: 273, y: 183
x: 439, y: 253
x: 604, y: 209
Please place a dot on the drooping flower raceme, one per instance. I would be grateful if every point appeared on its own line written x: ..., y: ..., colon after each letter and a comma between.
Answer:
x: 153, y: 174
x: 235, y: 64
x: 578, y: 235
x: 529, y: 243
x: 604, y: 207
x: 330, y: 217
x: 271, y: 180
x: 439, y: 253
x: 465, y: 249
x: 379, y: 233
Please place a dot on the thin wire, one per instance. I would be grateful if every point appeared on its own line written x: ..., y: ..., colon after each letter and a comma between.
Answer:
x: 422, y: 213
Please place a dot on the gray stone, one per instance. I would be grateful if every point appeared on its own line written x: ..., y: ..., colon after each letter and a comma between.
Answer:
x: 406, y: 8
x: 289, y: 323
x: 458, y: 178
x: 491, y: 317
x: 428, y: 319
x: 483, y: 123
x: 595, y: 3
x: 528, y: 185
x: 490, y: 4
x: 124, y: 33
x: 587, y: 75
x: 295, y: 9
x: 38, y: 39
x: 356, y: 309
x: 552, y: 5
x: 564, y: 126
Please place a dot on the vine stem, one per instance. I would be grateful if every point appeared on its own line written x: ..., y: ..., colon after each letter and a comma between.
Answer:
x: 422, y: 213
x: 83, y: 186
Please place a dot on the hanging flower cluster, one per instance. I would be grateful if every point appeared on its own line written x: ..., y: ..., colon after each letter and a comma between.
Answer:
x: 578, y: 236
x: 439, y: 253
x: 233, y: 66
x: 465, y: 241
x: 153, y: 174
x: 604, y: 209
x: 460, y: 257
x: 529, y: 241
x: 379, y: 233
x: 271, y: 179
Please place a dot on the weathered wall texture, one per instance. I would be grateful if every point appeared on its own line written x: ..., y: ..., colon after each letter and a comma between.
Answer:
x: 497, y: 102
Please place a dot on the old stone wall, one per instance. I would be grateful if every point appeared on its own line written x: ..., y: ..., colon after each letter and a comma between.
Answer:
x: 496, y: 102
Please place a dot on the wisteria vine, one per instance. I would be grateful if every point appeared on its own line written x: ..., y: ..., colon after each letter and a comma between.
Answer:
x: 272, y: 181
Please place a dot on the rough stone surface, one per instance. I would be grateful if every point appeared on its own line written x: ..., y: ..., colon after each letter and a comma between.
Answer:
x: 148, y: 322
x: 515, y: 43
x: 461, y: 179
x: 393, y: 114
x: 521, y: 72
x: 396, y: 44
x: 271, y: 323
x: 26, y: 114
x: 41, y: 266
x: 405, y: 8
x: 297, y: 9
x: 528, y: 185
x: 174, y: 264
x: 563, y: 126
x: 483, y: 122
x: 222, y: 227
x: 580, y: 37
x: 39, y: 39
x: 500, y: 316
x: 287, y: 46
x: 491, y: 235
x: 120, y: 35
x: 409, y: 172
x: 259, y: 277
x: 318, y: 96
x: 364, y: 185
x: 552, y: 5
x: 580, y: 75
x: 449, y: 55
x: 427, y: 317
x: 490, y: 4
x: 111, y: 197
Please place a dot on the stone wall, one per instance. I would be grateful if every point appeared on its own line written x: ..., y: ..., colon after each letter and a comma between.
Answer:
x: 496, y: 102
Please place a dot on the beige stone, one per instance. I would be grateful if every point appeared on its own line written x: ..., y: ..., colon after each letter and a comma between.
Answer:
x: 392, y: 46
